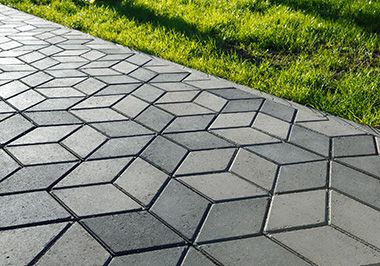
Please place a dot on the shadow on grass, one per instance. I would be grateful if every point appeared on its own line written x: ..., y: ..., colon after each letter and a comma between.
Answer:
x: 142, y: 14
x: 366, y: 18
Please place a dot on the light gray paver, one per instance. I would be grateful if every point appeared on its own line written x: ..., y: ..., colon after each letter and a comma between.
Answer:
x: 224, y: 174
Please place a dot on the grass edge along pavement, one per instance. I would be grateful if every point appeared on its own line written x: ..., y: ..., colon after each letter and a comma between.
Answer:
x: 321, y: 53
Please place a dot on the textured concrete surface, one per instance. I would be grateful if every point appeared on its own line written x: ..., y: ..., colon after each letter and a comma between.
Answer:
x: 112, y: 157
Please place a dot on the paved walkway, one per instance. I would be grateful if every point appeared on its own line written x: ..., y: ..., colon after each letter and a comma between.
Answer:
x: 112, y: 157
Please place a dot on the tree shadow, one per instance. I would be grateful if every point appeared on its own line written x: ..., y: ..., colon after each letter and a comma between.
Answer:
x: 367, y: 19
x: 142, y: 14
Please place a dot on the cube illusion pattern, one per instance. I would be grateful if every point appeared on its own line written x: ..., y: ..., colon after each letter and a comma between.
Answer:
x: 112, y: 157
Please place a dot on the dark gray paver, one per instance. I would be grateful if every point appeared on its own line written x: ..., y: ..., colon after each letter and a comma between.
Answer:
x: 164, y: 257
x: 20, y: 209
x: 142, y: 180
x: 33, y: 239
x: 98, y: 131
x: 222, y: 186
x: 131, y: 231
x: 234, y: 219
x: 173, y: 154
x: 34, y: 177
x: 258, y: 250
x: 181, y: 208
x: 75, y: 247
x: 327, y: 246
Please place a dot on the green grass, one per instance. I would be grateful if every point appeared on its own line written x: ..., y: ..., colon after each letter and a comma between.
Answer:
x: 321, y: 53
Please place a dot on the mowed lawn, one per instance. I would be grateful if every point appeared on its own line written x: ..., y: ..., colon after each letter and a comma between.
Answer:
x: 321, y: 53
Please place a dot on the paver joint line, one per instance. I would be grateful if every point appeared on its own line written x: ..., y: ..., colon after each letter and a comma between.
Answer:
x: 109, y: 156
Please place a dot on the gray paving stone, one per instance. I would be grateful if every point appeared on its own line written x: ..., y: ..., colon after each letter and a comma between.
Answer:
x: 84, y: 141
x: 310, y: 140
x: 62, y: 82
x: 5, y: 108
x: 42, y: 153
x: 327, y: 246
x: 60, y: 92
x: 13, y: 127
x: 357, y: 184
x: 52, y: 118
x: 27, y: 208
x: 222, y: 186
x: 98, y: 199
x: 245, y: 136
x: 284, y: 153
x: 201, y: 140
x: 117, y: 79
x: 12, y: 88
x: 297, y: 209
x: 369, y: 164
x: 124, y: 67
x: 177, y: 96
x: 170, y: 77
x: 154, y: 118
x: 131, y: 231
x: 206, y: 161
x: 131, y: 106
x: 7, y: 165
x: 98, y: 102
x: 75, y: 247
x: 90, y: 85
x: 354, y: 145
x: 122, y: 129
x: 302, y: 176
x: 259, y: 250
x: 55, y: 104
x: 331, y: 128
x: 25, y: 100
x: 98, y: 115
x: 277, y: 110
x: 233, y: 94
x: 234, y: 219
x: 174, y: 86
x: 165, y: 257
x: 34, y: 177
x: 355, y: 218
x: 92, y: 172
x: 273, y: 126
x: 181, y: 208
x: 142, y: 180
x: 103, y: 72
x: 34, y: 240
x: 210, y: 101
x: 183, y: 109
x: 248, y: 105
x: 164, y: 153
x: 194, y: 258
x: 122, y: 89
x: 36, y: 79
x: 45, y: 134
x: 127, y: 146
x: 233, y: 120
x: 189, y: 123
x: 254, y: 168
x: 142, y: 74
x: 148, y: 93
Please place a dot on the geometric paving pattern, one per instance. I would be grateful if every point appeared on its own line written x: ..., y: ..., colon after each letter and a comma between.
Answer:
x: 112, y: 157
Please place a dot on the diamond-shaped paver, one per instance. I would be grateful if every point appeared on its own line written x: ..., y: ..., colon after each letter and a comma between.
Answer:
x: 98, y: 115
x: 7, y: 165
x: 233, y: 120
x: 98, y: 102
x: 177, y: 96
x: 169, y: 256
x: 90, y: 85
x: 297, y: 209
x: 92, y: 172
x: 354, y: 145
x: 369, y: 164
x: 34, y: 240
x: 223, y: 186
x: 328, y: 246
x: 181, y: 208
x: 76, y: 246
x: 189, y: 123
x: 13, y: 127
x: 53, y: 118
x: 331, y: 128
x: 142, y: 180
x: 310, y: 140
x: 248, y: 105
x: 25, y: 100
x: 122, y: 128
x: 205, y: 161
x: 30, y: 208
x: 201, y: 140
x: 234, y: 219
x: 183, y: 109
x: 132, y: 231
x: 154, y: 118
x: 131, y: 106
x: 34, y: 177
x: 121, y: 89
x: 96, y: 199
x: 233, y: 93
x: 245, y: 136
x: 84, y: 141
x: 278, y: 110
x: 211, y: 101
x: 164, y: 153
x: 259, y: 250
x: 148, y: 93
x: 273, y: 126
x: 12, y: 88
x: 117, y: 147
x: 42, y: 153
